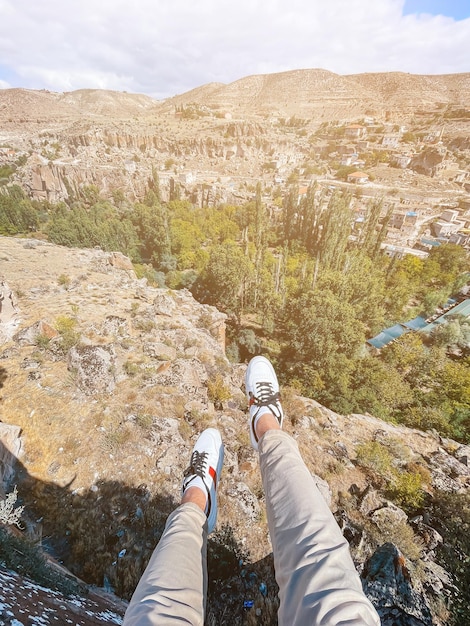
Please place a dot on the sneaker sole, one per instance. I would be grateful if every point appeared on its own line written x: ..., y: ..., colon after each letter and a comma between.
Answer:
x: 212, y: 518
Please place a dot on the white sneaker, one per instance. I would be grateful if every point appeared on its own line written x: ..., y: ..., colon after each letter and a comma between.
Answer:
x: 262, y: 390
x: 204, y: 470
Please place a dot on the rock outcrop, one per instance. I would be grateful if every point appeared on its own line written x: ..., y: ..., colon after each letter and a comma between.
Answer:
x: 9, y: 312
x: 10, y: 450
x: 387, y: 582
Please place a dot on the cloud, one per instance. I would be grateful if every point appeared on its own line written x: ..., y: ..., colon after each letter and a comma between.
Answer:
x: 170, y: 46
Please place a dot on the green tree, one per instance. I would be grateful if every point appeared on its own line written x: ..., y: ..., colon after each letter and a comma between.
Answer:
x: 289, y: 209
x: 452, y: 261
x: 334, y: 232
x: 152, y: 228
x: 17, y: 215
x: 453, y: 392
x: 222, y: 283
x: 434, y: 299
x: 259, y: 240
x: 322, y: 338
x: 379, y: 389
x: 360, y: 283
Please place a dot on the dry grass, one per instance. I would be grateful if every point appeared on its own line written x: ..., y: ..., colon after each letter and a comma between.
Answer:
x: 399, y: 533
x: 294, y: 407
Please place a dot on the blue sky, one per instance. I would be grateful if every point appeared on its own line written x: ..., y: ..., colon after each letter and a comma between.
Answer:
x: 458, y: 9
x: 166, y: 47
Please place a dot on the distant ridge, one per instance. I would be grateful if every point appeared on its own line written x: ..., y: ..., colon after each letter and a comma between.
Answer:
x: 307, y: 93
x: 30, y: 104
x: 398, y: 86
x: 101, y: 101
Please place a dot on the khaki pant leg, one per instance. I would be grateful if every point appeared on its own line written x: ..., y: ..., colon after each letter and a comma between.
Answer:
x: 173, y: 587
x: 318, y: 583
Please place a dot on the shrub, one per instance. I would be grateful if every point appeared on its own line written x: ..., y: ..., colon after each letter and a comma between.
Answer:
x: 406, y: 489
x: 42, y: 341
x: 65, y: 326
x: 131, y: 369
x: 400, y: 534
x: 218, y: 391
x: 28, y: 560
x: 375, y: 456
x: 64, y: 280
x: 115, y: 438
x: 232, y: 353
x: 145, y: 325
x: 144, y: 420
x: 154, y: 278
x: 9, y: 512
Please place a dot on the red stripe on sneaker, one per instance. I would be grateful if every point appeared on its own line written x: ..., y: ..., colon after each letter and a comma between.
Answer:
x: 213, y: 475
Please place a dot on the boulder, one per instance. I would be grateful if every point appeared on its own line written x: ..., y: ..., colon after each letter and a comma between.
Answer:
x: 187, y: 378
x: 387, y: 583
x: 9, y: 312
x: 389, y: 516
x: 114, y: 325
x: 160, y: 351
x: 352, y: 532
x: 436, y: 579
x: 370, y: 501
x: 10, y: 448
x: 164, y: 304
x: 430, y: 536
x: 448, y: 473
x: 246, y: 500
x: 28, y: 336
x: 93, y: 366
x: 120, y: 262
x: 462, y: 454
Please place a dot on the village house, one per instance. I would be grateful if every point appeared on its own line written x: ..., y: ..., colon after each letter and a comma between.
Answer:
x: 448, y: 223
x: 355, y: 130
x: 349, y: 159
x: 359, y: 178
x: 401, y: 160
x: 401, y: 251
x: 443, y: 229
x: 391, y: 141
x: 462, y: 238
x: 7, y: 155
x: 434, y: 136
x: 130, y: 166
x: 461, y: 176
x: 363, y: 145
x: 347, y: 150
x: 449, y: 215
x: 186, y: 178
x: 404, y: 221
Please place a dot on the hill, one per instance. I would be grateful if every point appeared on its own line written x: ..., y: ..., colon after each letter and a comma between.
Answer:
x: 307, y: 93
x: 304, y: 93
x: 30, y: 105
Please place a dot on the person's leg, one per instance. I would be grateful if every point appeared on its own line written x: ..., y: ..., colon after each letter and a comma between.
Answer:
x: 173, y: 588
x: 318, y: 583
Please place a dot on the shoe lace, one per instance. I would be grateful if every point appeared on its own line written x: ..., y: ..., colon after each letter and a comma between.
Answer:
x: 197, y: 464
x: 266, y: 397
